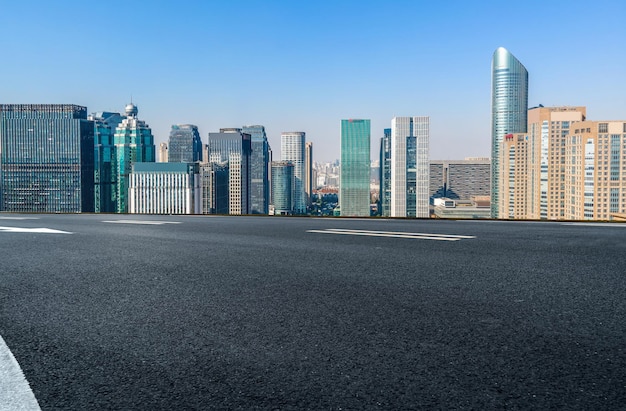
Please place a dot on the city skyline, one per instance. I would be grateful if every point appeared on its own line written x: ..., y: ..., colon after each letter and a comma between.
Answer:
x: 342, y: 51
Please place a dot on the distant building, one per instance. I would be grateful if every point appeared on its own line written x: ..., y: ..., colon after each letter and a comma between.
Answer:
x: 47, y: 159
x: 163, y: 156
x: 564, y: 167
x: 509, y: 105
x: 292, y: 149
x: 410, y: 167
x: 385, y: 174
x: 354, y: 197
x: 164, y: 188
x: 214, y: 184
x: 185, y: 144
x: 259, y: 169
x: 105, y: 176
x: 308, y: 172
x: 460, y: 179
x: 282, y: 187
x: 233, y: 147
x: 134, y: 143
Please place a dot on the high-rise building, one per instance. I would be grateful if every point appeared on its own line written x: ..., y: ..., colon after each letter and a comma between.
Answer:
x: 134, y: 143
x: 233, y: 147
x: 214, y: 183
x: 385, y: 174
x: 282, y: 187
x: 47, y: 158
x: 185, y: 144
x: 162, y: 155
x: 410, y: 167
x: 354, y: 186
x: 259, y: 169
x: 308, y: 172
x: 164, y: 188
x: 292, y: 149
x: 105, y: 177
x: 509, y: 105
x: 535, y: 168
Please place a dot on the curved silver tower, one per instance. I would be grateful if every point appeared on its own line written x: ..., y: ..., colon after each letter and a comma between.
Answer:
x: 509, y: 108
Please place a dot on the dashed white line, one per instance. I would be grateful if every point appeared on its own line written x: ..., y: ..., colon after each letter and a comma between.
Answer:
x: 146, y: 222
x: 19, y: 218
x: 15, y: 393
x: 393, y: 234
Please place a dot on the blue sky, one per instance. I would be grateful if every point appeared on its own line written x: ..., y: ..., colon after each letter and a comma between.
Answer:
x: 303, y: 66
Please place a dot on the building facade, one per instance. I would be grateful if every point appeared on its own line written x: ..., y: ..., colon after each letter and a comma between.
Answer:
x: 105, y: 176
x: 259, y: 169
x: 460, y: 179
x: 533, y: 165
x: 384, y: 206
x: 509, y: 105
x: 308, y: 172
x: 164, y: 188
x: 162, y: 155
x: 185, y: 144
x: 410, y: 167
x: 214, y: 185
x: 354, y: 187
x: 134, y: 143
x: 233, y: 147
x: 292, y: 149
x: 282, y: 187
x: 47, y: 159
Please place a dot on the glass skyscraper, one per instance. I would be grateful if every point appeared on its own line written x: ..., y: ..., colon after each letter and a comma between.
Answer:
x: 509, y: 108
x: 105, y: 176
x: 233, y: 147
x: 185, y: 144
x: 354, y: 187
x: 134, y: 143
x: 259, y: 169
x: 282, y: 187
x: 292, y: 149
x: 410, y: 167
x: 47, y: 160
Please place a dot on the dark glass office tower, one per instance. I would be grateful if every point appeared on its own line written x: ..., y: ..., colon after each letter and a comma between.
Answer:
x: 385, y: 174
x: 259, y: 169
x: 185, y: 145
x: 105, y: 177
x: 47, y: 160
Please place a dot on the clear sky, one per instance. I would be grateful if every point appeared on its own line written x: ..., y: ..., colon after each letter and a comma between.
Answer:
x: 305, y: 65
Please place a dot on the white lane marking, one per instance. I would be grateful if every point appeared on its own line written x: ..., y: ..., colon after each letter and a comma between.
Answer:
x: 19, y: 218
x: 141, y: 222
x: 621, y: 225
x: 32, y: 230
x: 400, y: 232
x: 15, y: 393
x: 392, y: 234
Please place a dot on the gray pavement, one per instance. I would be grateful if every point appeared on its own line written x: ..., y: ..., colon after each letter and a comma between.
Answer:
x: 291, y: 313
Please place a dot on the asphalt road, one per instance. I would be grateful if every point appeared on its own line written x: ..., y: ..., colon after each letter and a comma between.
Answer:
x: 280, y: 313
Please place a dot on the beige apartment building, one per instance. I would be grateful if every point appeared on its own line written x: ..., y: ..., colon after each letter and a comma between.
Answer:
x: 564, y: 167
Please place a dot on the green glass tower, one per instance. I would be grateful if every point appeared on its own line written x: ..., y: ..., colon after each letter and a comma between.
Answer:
x: 354, y: 193
x: 134, y: 143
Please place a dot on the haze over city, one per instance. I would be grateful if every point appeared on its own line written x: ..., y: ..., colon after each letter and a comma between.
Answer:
x: 305, y: 66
